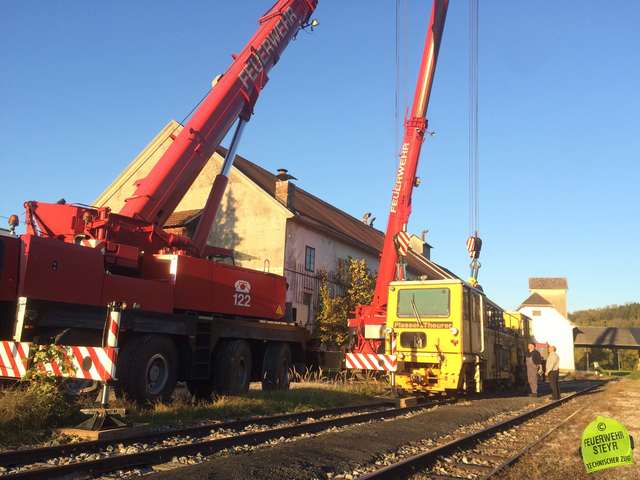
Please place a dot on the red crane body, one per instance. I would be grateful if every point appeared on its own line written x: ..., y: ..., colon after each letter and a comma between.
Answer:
x: 128, y: 256
x: 405, y: 181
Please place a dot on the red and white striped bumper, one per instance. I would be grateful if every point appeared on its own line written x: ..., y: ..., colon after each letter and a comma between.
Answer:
x: 13, y: 359
x: 89, y: 363
x: 371, y: 361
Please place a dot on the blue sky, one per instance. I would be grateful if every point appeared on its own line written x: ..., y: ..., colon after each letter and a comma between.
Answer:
x: 86, y: 85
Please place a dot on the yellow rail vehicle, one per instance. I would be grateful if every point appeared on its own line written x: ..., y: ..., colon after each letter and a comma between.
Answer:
x: 449, y: 337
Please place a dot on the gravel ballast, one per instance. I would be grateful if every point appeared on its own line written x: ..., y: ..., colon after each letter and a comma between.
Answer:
x: 333, y: 453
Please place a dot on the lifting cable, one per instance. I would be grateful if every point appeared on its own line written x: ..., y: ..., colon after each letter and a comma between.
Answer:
x: 402, y: 67
x: 474, y: 243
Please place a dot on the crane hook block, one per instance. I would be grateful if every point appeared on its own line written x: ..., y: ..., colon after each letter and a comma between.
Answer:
x: 474, y: 245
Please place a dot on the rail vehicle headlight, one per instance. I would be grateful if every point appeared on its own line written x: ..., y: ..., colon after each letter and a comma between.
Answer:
x: 453, y: 330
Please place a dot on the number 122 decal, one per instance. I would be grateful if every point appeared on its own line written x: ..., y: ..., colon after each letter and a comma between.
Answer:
x: 242, y: 299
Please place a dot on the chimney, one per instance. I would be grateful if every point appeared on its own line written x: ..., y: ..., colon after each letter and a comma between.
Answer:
x: 285, y: 190
x: 420, y: 244
x: 367, y: 219
x: 426, y: 248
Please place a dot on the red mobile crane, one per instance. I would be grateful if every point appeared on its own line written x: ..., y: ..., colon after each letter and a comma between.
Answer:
x: 189, y: 318
x: 369, y: 320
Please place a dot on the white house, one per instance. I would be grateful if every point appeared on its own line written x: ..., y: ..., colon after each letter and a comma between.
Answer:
x: 548, y: 325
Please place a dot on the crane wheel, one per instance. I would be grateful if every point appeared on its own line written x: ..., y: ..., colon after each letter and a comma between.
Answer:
x: 123, y: 367
x: 151, y: 364
x: 276, y: 365
x: 232, y: 367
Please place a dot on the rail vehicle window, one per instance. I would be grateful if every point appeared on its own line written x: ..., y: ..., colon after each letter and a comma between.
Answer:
x: 475, y: 308
x: 494, y: 316
x: 413, y: 340
x: 503, y: 358
x: 433, y: 302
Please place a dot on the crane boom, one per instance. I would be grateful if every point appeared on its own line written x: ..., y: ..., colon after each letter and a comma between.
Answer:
x: 405, y: 180
x: 232, y: 97
x: 137, y: 227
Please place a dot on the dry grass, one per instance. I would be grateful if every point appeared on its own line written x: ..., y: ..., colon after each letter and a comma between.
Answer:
x: 634, y: 375
x: 309, y: 395
x: 29, y: 415
x: 29, y: 412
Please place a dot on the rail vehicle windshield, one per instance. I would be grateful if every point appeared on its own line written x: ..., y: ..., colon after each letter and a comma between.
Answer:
x: 432, y: 302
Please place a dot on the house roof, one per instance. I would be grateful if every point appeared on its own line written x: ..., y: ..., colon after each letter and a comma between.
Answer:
x: 606, y: 337
x: 536, y: 300
x: 551, y: 283
x: 317, y: 214
x: 180, y: 219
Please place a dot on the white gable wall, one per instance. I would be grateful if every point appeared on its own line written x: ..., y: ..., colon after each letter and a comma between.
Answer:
x: 549, y: 326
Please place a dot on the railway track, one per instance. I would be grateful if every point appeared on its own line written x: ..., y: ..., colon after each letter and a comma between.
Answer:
x: 194, y: 443
x: 488, y: 452
x: 106, y: 456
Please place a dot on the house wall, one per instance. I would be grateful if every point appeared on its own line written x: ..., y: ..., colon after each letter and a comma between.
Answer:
x: 549, y: 326
x: 250, y: 222
x: 328, y: 251
x: 557, y: 296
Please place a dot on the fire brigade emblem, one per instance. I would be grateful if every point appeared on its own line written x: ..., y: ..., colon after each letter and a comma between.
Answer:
x: 242, y: 297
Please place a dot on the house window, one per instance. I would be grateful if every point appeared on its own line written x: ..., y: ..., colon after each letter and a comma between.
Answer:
x: 310, y: 259
x: 535, y: 313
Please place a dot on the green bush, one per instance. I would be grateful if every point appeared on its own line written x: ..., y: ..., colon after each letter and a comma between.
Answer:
x: 335, y: 310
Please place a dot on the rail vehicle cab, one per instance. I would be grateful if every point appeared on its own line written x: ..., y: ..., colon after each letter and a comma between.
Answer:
x: 448, y: 336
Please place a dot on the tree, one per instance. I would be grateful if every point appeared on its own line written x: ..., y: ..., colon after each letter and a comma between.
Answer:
x: 335, y: 309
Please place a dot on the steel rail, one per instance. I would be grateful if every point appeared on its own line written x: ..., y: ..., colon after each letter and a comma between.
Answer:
x: 511, y: 460
x: 415, y: 463
x: 206, y: 447
x: 34, y: 455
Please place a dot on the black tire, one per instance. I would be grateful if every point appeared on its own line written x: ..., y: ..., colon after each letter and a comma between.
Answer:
x: 232, y: 367
x: 149, y: 369
x: 275, y: 367
x: 123, y: 366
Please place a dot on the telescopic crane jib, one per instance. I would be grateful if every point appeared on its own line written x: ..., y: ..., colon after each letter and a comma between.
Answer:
x: 368, y: 322
x: 139, y: 223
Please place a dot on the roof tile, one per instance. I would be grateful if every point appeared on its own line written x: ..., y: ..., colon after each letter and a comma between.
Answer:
x: 548, y: 283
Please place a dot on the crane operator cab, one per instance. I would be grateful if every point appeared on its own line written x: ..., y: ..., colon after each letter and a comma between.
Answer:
x: 449, y: 337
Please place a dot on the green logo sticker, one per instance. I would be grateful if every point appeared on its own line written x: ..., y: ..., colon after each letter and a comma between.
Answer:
x: 605, y: 444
